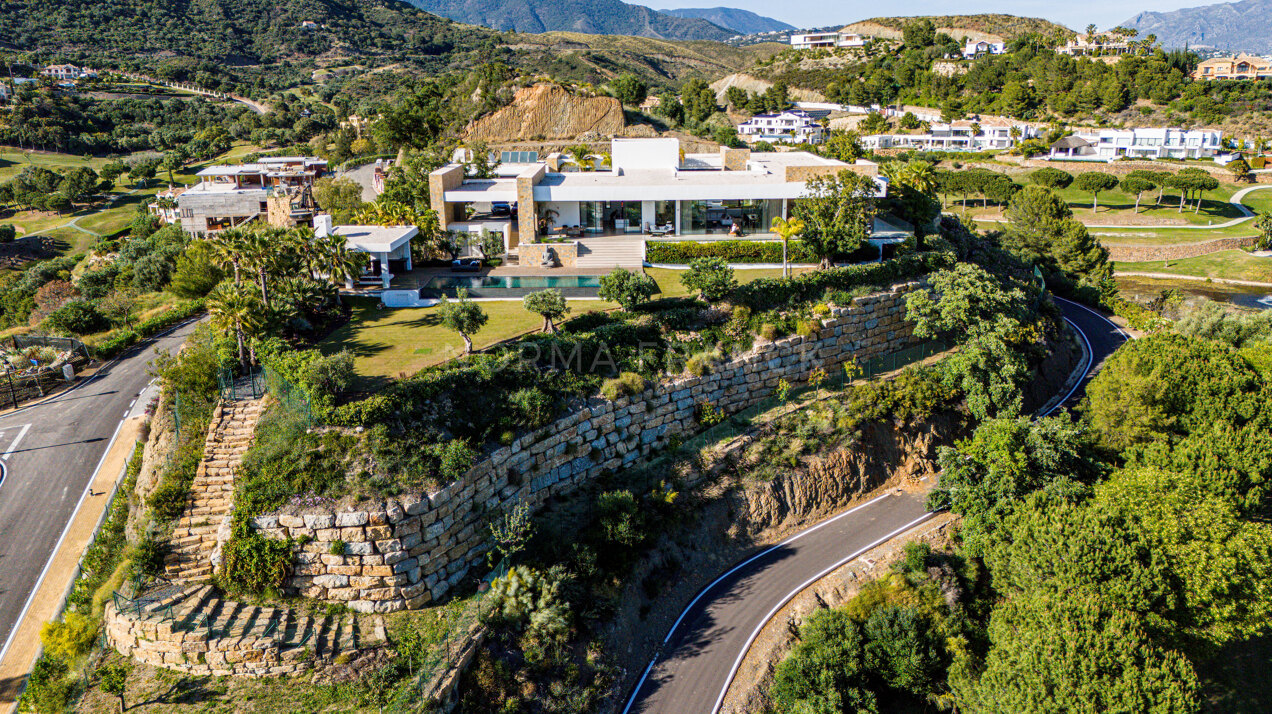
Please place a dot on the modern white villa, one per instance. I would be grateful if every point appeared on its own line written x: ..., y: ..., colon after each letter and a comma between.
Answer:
x: 826, y: 40
x: 793, y: 126
x: 388, y: 246
x: 976, y: 49
x: 276, y: 189
x: 959, y: 136
x: 550, y: 212
x: 1157, y: 143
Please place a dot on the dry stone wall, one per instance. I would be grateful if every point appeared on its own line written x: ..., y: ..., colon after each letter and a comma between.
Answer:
x: 408, y: 551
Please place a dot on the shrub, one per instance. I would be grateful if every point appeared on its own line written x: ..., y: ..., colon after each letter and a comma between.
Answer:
x: 808, y: 328
x: 624, y: 385
x: 708, y: 414
x: 700, y: 364
x: 151, y: 273
x: 195, y: 274
x: 337, y: 547
x: 620, y: 518
x: 47, y: 689
x: 731, y: 251
x: 711, y: 277
x: 78, y: 317
x: 627, y: 288
x: 70, y: 638
x: 253, y: 563
x: 532, y: 407
x: 767, y: 293
x: 768, y: 331
x: 8, y: 233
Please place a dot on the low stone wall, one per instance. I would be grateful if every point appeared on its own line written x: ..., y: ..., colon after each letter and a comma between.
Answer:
x: 1145, y: 253
x: 406, y: 552
x: 530, y: 255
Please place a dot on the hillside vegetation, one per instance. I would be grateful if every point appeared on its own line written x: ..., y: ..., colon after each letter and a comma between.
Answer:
x: 597, y: 58
x: 602, y: 17
x: 1009, y: 27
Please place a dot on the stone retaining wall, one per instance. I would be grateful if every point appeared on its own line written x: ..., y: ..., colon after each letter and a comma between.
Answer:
x: 1143, y: 253
x: 405, y: 552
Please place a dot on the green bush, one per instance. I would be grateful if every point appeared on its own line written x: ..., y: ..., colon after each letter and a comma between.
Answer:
x: 78, y: 317
x: 627, y: 288
x: 253, y: 563
x: 767, y: 293
x: 732, y: 251
x: 768, y: 331
x: 48, y: 689
x: 624, y: 385
x: 712, y: 277
x: 533, y: 407
x: 700, y: 364
x: 70, y: 638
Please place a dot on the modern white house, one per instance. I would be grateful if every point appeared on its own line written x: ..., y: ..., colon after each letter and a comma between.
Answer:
x: 651, y: 189
x: 1156, y: 143
x: 277, y: 189
x: 1097, y: 45
x: 826, y: 40
x: 387, y: 246
x: 959, y: 136
x: 976, y: 49
x: 793, y: 126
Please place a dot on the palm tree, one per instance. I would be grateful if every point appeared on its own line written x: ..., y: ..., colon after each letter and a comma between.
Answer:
x: 227, y: 250
x: 581, y: 155
x: 259, y: 255
x: 386, y: 213
x: 234, y: 307
x: 787, y: 229
x: 339, y: 263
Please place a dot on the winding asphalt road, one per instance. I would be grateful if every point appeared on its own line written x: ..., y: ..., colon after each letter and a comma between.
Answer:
x: 701, y: 653
x: 48, y: 455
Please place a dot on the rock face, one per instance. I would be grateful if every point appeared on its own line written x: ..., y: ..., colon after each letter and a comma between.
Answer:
x: 548, y: 111
x: 406, y: 552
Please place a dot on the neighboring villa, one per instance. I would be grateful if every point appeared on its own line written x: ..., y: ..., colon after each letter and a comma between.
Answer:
x: 826, y: 40
x: 794, y: 126
x: 277, y: 189
x: 650, y: 189
x: 67, y: 72
x: 1097, y: 45
x: 388, y: 246
x: 1109, y: 144
x: 958, y: 136
x: 1234, y: 67
x: 165, y: 205
x: 976, y: 49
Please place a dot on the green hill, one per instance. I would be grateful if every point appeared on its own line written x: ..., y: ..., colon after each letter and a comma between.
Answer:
x: 596, y: 17
x: 1008, y: 27
x: 234, y: 32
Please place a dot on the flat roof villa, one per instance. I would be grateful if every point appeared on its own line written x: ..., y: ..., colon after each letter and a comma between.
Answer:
x: 385, y: 244
x: 651, y: 190
x: 276, y: 188
x: 1109, y: 144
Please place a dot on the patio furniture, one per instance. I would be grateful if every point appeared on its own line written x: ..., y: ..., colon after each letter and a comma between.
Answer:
x: 660, y: 231
x: 574, y: 231
x: 466, y: 265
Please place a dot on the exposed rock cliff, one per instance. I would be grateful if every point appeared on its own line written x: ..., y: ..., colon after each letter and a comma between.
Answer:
x: 548, y: 111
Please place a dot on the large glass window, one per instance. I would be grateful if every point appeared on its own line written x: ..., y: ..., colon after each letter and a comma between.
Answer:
x: 719, y: 217
x: 610, y: 217
x: 665, y: 213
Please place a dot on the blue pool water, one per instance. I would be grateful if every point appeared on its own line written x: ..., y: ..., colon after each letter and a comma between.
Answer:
x: 534, y: 282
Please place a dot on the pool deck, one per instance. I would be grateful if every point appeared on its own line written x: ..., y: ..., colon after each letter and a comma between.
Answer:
x: 419, y: 277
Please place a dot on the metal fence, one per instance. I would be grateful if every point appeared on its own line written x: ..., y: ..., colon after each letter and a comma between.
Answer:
x: 18, y: 388
x: 58, y: 343
x: 247, y: 386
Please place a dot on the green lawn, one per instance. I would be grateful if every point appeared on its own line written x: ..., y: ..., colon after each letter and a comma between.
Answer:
x: 1116, y: 205
x: 394, y: 343
x: 1228, y: 264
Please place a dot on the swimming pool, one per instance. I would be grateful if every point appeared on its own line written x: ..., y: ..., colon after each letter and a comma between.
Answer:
x: 513, y: 282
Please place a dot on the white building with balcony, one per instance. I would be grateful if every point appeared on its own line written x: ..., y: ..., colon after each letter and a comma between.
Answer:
x: 959, y: 136
x: 792, y: 126
x: 1155, y: 143
x: 827, y: 40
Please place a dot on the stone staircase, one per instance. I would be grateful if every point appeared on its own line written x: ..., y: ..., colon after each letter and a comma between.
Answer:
x: 189, y: 628
x: 211, y: 499
x: 611, y: 253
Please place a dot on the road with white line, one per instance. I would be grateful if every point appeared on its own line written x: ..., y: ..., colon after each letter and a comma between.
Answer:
x: 48, y: 455
x: 701, y: 654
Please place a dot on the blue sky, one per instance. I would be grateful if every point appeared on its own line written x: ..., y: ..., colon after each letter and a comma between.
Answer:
x: 1076, y: 14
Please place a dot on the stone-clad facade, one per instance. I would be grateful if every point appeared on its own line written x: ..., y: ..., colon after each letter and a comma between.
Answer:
x: 408, y: 551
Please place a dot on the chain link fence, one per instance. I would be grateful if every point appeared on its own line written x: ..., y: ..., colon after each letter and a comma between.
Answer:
x: 18, y: 388
x: 241, y: 386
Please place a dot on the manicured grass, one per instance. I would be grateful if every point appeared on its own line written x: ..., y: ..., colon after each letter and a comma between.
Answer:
x: 1168, y: 236
x: 1229, y: 264
x: 393, y: 343
x: 13, y: 160
x: 1116, y: 205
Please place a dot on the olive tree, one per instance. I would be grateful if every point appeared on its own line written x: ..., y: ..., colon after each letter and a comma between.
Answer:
x: 463, y: 316
x: 838, y: 213
x: 550, y: 304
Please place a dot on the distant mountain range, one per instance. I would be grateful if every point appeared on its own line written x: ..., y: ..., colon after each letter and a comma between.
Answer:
x: 743, y: 22
x: 595, y: 17
x: 1240, y: 27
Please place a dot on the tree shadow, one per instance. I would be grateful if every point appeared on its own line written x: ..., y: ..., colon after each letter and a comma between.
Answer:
x: 186, y: 690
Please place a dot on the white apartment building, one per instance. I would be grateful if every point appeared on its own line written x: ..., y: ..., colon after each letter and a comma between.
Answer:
x: 794, y: 126
x: 826, y: 40
x: 954, y: 137
x: 1109, y: 144
x: 276, y: 189
x: 649, y: 189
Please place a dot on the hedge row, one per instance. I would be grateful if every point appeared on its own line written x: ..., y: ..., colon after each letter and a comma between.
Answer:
x: 769, y: 293
x: 127, y: 338
x: 734, y: 251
